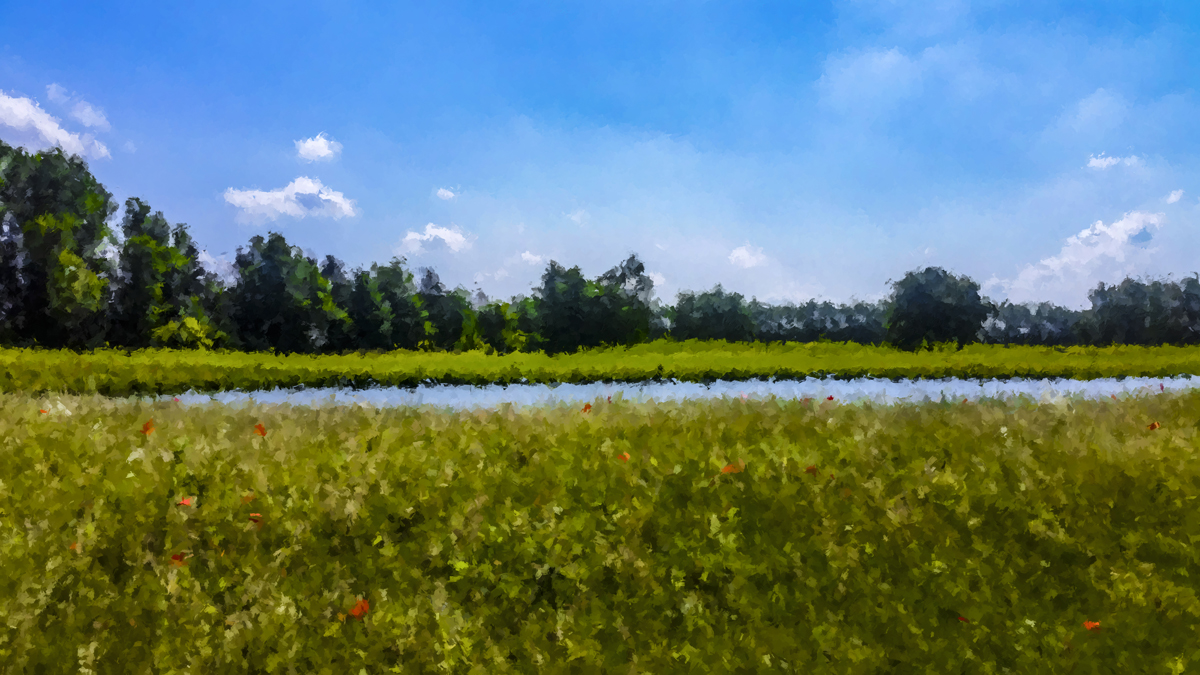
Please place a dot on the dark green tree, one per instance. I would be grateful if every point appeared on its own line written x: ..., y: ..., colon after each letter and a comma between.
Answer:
x: 340, y: 335
x: 53, y: 251
x: 385, y: 309
x: 933, y: 306
x: 160, y: 287
x: 621, y: 310
x: 281, y: 300
x: 561, y: 310
x: 453, y: 319
x: 712, y: 315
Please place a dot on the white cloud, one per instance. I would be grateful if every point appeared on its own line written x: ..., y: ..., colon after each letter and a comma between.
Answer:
x: 658, y: 279
x: 37, y: 130
x: 452, y: 237
x: 747, y: 256
x: 85, y: 113
x: 578, y: 216
x: 1098, y: 253
x: 531, y: 258
x: 443, y: 193
x: 1103, y: 162
x: 90, y: 116
x: 302, y: 197
x: 318, y: 148
x: 222, y: 267
x: 56, y: 93
x: 1174, y: 196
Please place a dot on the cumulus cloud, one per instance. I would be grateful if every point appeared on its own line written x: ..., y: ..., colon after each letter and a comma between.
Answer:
x: 302, y: 197
x: 90, y: 116
x: 85, y: 113
x: 747, y: 256
x: 443, y: 193
x: 36, y: 129
x: 1099, y: 253
x: 451, y: 237
x: 1103, y: 162
x: 318, y: 148
x: 1175, y: 196
x: 531, y: 258
x: 56, y: 93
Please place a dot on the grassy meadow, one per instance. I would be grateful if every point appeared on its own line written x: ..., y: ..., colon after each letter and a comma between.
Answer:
x: 723, y: 536
x: 119, y: 373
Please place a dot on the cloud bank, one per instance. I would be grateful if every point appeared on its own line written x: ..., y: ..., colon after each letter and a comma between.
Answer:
x: 301, y: 198
x: 37, y: 130
x: 451, y: 237
x: 1101, y: 252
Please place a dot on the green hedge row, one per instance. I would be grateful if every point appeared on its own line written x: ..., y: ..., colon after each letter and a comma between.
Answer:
x: 719, y: 537
x: 116, y: 373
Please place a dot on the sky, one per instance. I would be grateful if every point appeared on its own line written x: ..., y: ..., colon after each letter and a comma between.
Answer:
x: 787, y: 151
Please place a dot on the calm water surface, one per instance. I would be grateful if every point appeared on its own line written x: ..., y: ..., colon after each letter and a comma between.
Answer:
x: 845, y: 391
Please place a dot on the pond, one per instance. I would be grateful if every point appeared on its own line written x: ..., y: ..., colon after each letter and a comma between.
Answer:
x: 845, y: 391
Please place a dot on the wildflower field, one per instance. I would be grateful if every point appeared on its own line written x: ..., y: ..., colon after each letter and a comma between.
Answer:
x: 721, y: 536
x: 164, y: 371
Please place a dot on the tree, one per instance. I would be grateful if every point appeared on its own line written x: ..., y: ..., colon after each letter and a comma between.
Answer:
x: 53, y: 249
x: 560, y: 309
x: 1041, y: 324
x: 281, y: 301
x: 385, y: 309
x: 934, y: 306
x: 160, y: 287
x: 622, y: 309
x: 712, y: 315
x: 450, y: 313
x: 340, y: 335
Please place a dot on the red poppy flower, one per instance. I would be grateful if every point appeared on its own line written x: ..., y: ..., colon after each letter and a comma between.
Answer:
x: 177, y: 399
x: 186, y: 501
x: 812, y: 469
x: 734, y: 468
x: 1091, y: 625
x: 624, y: 457
x: 963, y: 619
x: 44, y: 412
x: 829, y: 399
x: 178, y: 560
x: 1154, y: 426
x: 148, y: 427
x: 587, y: 407
x: 260, y: 429
x: 1161, y: 387
x: 255, y: 516
x: 1114, y: 396
x: 610, y: 399
x: 74, y: 545
x: 360, y: 608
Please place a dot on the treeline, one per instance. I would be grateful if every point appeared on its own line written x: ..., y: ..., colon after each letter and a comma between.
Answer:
x: 67, y: 280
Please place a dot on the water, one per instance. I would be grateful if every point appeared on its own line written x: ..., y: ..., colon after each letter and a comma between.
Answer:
x: 460, y: 397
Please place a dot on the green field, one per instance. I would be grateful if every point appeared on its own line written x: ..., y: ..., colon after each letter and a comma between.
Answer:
x: 117, y: 373
x: 725, y: 537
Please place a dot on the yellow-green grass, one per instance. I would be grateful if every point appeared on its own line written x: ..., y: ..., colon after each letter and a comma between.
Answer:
x: 723, y: 536
x: 118, y: 373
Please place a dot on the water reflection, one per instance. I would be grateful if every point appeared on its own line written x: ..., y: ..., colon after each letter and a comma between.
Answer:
x: 844, y: 391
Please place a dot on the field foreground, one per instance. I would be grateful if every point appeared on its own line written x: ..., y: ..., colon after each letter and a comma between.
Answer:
x: 152, y: 371
x: 725, y: 536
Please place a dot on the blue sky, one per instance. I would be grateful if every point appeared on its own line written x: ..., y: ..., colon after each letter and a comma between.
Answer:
x: 785, y: 150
